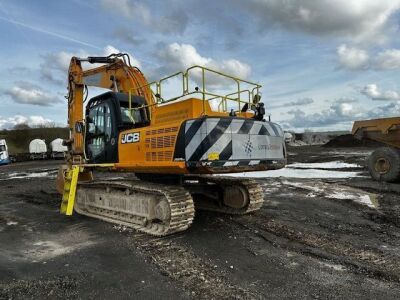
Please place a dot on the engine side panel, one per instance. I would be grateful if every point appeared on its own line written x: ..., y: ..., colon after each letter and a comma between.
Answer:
x: 233, y: 142
x: 182, y: 143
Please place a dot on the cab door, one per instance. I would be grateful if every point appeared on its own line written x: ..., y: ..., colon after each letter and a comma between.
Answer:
x: 101, y: 134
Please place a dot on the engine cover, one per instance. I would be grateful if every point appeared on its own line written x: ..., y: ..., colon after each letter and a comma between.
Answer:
x: 231, y: 144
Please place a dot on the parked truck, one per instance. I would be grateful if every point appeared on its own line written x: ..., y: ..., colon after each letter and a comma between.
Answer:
x: 37, y: 149
x: 384, y: 163
x: 58, y: 150
x: 4, y: 157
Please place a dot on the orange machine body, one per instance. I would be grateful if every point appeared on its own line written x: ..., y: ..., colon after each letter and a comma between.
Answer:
x: 158, y: 145
x: 155, y: 150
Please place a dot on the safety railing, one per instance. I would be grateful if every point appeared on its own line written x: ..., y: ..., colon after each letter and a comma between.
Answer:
x: 202, y: 76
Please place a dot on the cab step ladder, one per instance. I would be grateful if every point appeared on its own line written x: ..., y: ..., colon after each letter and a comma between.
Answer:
x: 70, y: 183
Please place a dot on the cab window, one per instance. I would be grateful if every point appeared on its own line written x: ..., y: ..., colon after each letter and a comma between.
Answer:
x: 99, y: 129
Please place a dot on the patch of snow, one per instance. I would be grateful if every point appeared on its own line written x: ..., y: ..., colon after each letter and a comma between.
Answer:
x: 43, y: 250
x: 310, y: 186
x: 324, y: 165
x: 270, y: 190
x: 11, y: 223
x: 336, y: 267
x: 360, y: 198
x: 321, y: 189
x: 16, y: 174
x: 297, y: 143
x: 296, y: 173
x: 29, y: 175
x: 350, y: 153
x: 116, y: 178
x: 271, y: 187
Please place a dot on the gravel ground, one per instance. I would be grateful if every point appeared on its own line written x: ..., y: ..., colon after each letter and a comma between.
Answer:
x: 313, y: 238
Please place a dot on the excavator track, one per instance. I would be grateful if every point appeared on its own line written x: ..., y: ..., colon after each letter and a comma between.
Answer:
x: 137, y: 204
x: 251, y: 190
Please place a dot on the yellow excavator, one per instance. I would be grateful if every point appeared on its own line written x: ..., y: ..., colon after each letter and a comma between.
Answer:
x: 174, y: 146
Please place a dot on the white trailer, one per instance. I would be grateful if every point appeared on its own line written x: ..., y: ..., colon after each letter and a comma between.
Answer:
x: 4, y: 157
x: 58, y: 150
x: 37, y: 149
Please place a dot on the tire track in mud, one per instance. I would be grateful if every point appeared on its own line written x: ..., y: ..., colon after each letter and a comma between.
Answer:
x: 199, y: 277
x: 360, y: 260
x: 327, y: 246
x: 327, y: 241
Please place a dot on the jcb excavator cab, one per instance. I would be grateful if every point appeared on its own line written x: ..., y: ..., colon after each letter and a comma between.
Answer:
x: 106, y: 115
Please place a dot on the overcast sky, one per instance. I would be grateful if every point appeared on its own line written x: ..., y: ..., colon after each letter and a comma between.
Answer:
x: 322, y: 63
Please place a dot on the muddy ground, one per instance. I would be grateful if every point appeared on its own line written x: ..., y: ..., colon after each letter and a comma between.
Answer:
x: 313, y: 238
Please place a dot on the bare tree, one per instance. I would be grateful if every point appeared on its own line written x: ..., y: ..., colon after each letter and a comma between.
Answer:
x: 46, y: 125
x: 21, y: 126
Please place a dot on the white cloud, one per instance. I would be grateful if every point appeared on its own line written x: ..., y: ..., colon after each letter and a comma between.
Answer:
x: 173, y: 21
x: 388, y: 110
x: 340, y: 115
x: 55, y: 65
x: 355, y: 19
x: 126, y: 35
x: 128, y: 9
x: 10, y: 122
x: 108, y: 50
x: 182, y: 56
x: 388, y: 60
x: 338, y: 112
x: 179, y: 57
x: 372, y: 91
x: 345, y: 100
x: 298, y: 102
x: 352, y: 58
x: 232, y: 67
x: 26, y: 93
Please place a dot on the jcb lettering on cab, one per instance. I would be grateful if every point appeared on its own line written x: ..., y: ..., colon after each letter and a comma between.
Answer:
x: 133, y: 137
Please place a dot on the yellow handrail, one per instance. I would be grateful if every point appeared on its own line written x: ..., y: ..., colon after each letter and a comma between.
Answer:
x: 185, y: 89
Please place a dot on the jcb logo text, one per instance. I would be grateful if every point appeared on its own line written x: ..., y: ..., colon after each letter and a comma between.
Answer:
x: 130, y: 138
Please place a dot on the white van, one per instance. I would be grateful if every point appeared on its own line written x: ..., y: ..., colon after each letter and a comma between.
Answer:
x: 4, y: 157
